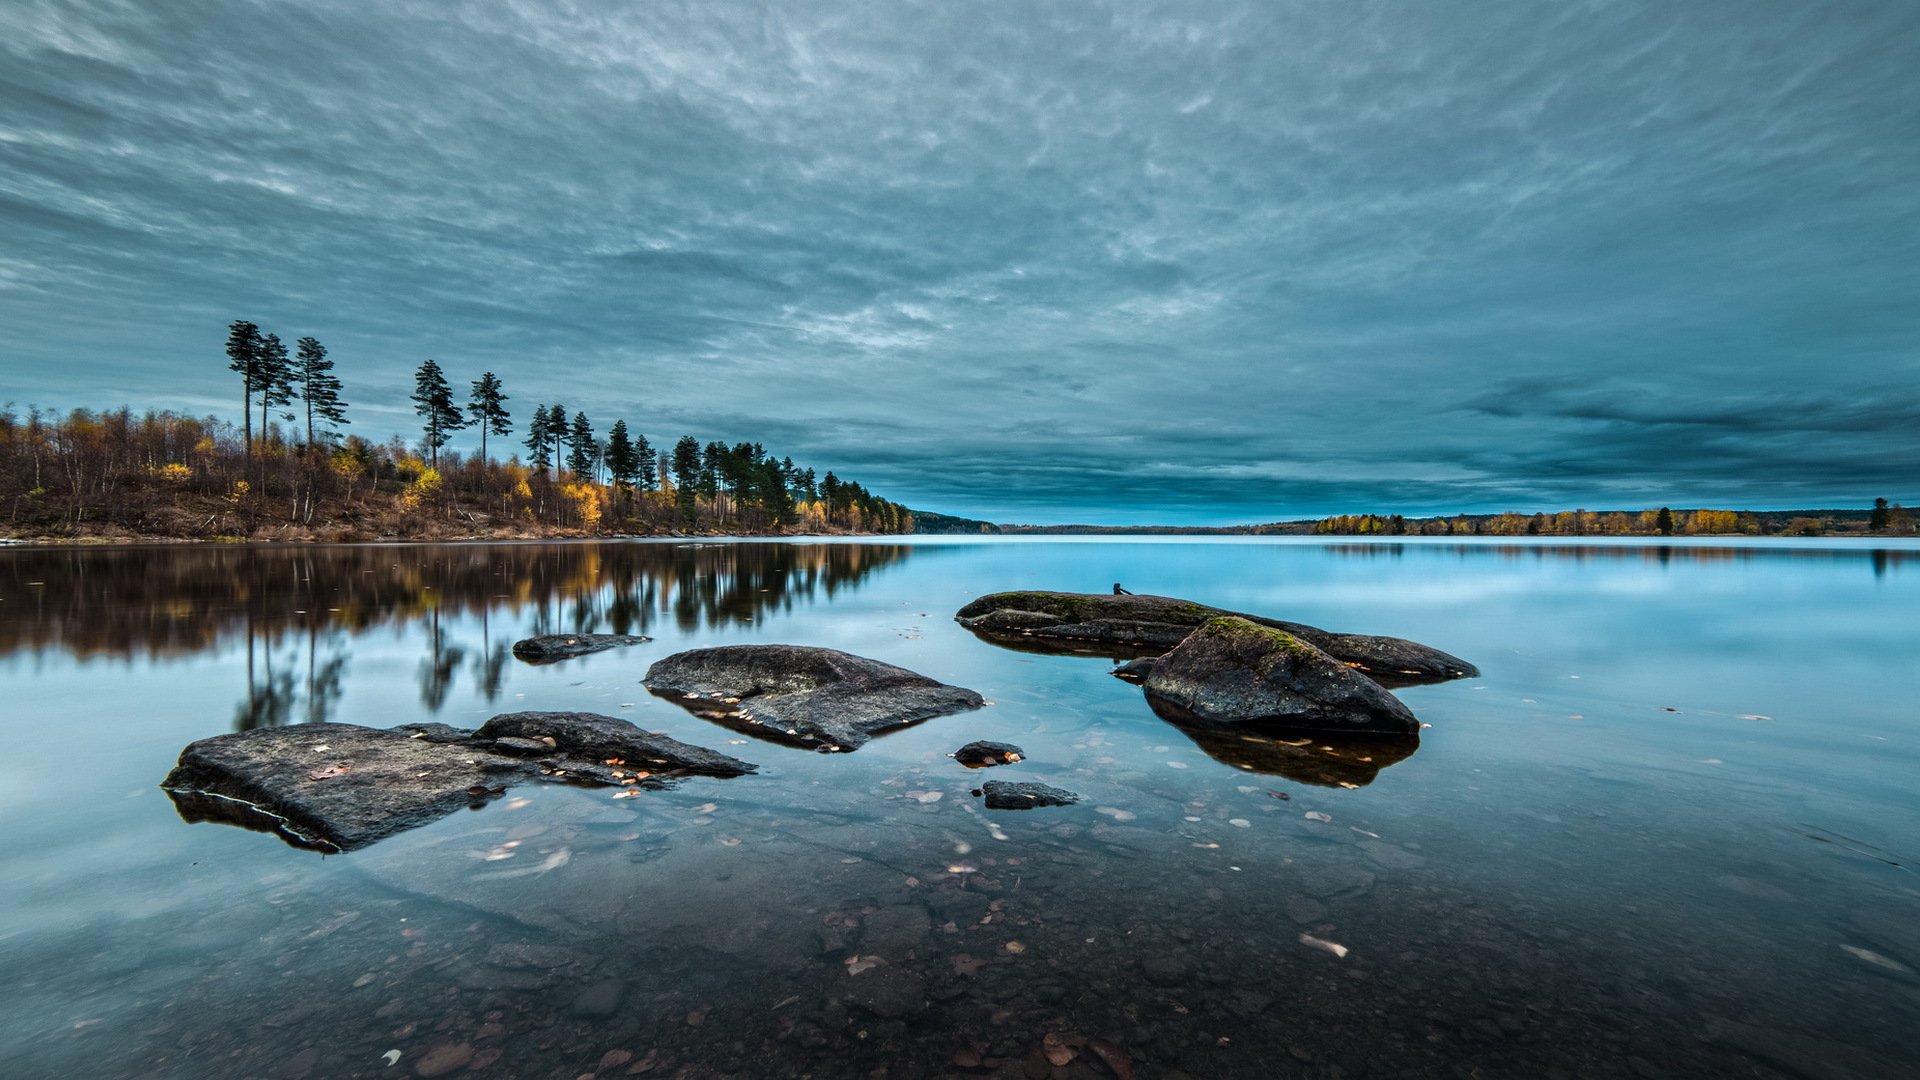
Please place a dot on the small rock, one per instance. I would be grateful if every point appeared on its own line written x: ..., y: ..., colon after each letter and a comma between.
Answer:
x: 442, y: 1058
x: 600, y: 999
x: 1005, y: 795
x: 982, y: 755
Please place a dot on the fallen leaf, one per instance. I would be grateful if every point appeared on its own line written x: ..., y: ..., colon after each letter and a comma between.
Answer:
x: 1015, y: 948
x: 1240, y: 823
x: 328, y: 773
x: 1315, y: 815
x: 630, y: 793
x: 929, y: 796
x: 1058, y: 1053
x: 391, y: 1057
x: 858, y: 964
x: 729, y: 841
x: 965, y: 964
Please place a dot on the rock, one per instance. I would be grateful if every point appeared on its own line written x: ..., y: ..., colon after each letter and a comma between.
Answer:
x: 1006, y: 795
x: 553, y: 648
x: 1164, y: 969
x: 599, y: 1000
x: 442, y: 1058
x: 1154, y: 624
x: 817, y: 698
x: 338, y: 787
x: 590, y: 736
x: 1230, y: 670
x: 982, y: 755
x: 888, y: 992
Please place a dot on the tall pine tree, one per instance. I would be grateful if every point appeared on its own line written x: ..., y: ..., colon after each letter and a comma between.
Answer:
x: 276, y: 379
x: 686, y: 477
x: 318, y: 386
x: 433, y: 403
x: 243, y: 357
x: 540, y: 439
x: 487, y: 410
x: 581, y: 455
x: 623, y: 460
x: 647, y: 463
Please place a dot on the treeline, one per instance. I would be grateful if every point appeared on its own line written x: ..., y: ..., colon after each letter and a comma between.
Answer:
x: 1883, y: 518
x: 293, y: 475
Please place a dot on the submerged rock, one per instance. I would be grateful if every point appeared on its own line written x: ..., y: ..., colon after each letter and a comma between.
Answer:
x: 553, y: 648
x: 338, y: 787
x: 818, y: 698
x: 1149, y: 625
x: 983, y: 755
x: 1007, y: 795
x: 1230, y: 670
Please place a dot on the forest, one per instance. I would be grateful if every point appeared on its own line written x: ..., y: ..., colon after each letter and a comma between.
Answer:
x: 294, y: 475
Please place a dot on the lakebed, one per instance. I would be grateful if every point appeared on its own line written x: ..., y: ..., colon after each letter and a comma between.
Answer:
x: 1666, y: 830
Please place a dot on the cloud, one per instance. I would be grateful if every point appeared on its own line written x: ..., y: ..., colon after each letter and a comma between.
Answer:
x: 1220, y: 261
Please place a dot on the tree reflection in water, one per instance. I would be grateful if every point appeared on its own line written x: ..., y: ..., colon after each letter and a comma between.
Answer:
x: 173, y: 602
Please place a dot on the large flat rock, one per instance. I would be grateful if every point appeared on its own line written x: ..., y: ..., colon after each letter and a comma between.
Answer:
x: 799, y: 695
x: 338, y: 787
x: 1149, y: 625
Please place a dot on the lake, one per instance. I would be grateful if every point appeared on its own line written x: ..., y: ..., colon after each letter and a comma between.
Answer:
x: 1670, y: 830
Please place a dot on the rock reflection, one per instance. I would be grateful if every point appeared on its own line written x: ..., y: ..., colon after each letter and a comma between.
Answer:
x: 1319, y: 760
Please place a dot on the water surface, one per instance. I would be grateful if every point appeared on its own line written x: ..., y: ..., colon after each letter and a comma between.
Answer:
x: 1670, y: 830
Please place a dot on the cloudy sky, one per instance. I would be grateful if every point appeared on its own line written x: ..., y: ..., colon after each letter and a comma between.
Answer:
x: 1185, y: 262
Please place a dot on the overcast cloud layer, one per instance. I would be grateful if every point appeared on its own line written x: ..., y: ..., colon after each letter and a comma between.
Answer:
x: 1189, y: 262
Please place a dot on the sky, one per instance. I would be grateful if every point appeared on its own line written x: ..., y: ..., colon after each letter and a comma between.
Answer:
x: 1191, y: 263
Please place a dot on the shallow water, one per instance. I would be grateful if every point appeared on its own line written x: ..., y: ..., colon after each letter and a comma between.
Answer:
x: 1671, y: 829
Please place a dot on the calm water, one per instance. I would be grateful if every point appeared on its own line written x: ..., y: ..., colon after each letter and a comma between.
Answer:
x: 1671, y: 831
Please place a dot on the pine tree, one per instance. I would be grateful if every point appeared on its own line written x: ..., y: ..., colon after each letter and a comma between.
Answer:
x: 581, y: 457
x: 540, y: 439
x: 486, y: 410
x: 1663, y: 522
x: 558, y: 432
x: 1878, y: 520
x: 647, y: 462
x: 318, y: 386
x: 433, y: 403
x: 276, y: 379
x: 686, y: 477
x: 243, y: 356
x: 623, y: 460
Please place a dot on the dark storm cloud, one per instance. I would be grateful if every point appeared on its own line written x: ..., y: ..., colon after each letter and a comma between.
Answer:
x: 1200, y: 262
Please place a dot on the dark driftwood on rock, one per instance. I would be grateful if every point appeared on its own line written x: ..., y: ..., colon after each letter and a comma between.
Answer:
x: 1148, y: 625
x: 553, y: 648
x: 337, y: 787
x: 1234, y: 671
x: 817, y: 698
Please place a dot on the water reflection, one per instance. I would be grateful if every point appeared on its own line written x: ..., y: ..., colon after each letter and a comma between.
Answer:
x: 1319, y: 760
x: 297, y: 609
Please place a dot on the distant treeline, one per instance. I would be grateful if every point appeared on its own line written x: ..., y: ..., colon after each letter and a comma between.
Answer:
x: 1664, y: 521
x: 166, y: 474
x: 1883, y: 518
